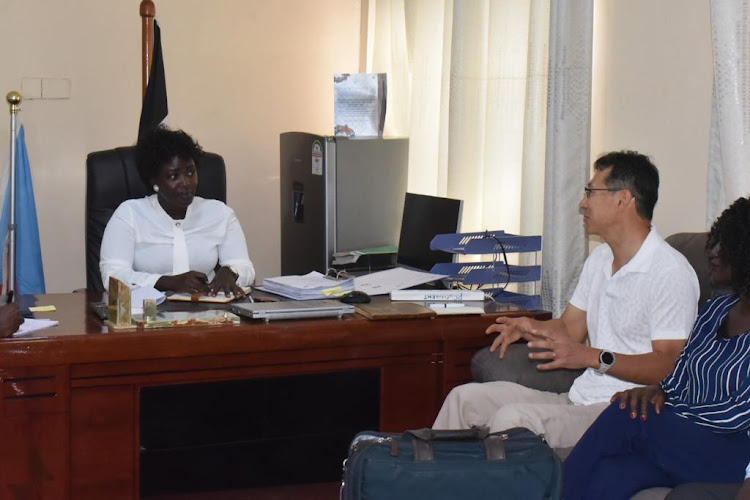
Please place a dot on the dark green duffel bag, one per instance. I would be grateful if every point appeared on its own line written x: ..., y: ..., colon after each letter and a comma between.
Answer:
x: 440, y: 465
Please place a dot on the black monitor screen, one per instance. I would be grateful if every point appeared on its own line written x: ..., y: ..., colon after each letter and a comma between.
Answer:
x: 424, y: 217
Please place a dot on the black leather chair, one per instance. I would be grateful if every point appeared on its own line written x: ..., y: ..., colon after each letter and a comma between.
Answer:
x: 111, y: 178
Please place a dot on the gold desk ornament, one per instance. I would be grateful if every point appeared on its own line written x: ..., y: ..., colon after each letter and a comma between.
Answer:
x: 119, y: 305
x: 149, y: 310
x: 120, y: 317
x: 14, y: 101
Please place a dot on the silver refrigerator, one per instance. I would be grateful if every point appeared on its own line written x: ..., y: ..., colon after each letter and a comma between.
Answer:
x: 338, y: 194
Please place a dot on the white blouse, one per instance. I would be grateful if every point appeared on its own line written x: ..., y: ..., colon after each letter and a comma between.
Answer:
x: 142, y: 243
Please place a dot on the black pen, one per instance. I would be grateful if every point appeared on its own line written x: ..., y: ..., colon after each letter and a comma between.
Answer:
x: 9, y: 297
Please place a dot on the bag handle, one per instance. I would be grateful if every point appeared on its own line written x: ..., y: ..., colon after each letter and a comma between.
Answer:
x: 427, y: 434
x: 494, y: 445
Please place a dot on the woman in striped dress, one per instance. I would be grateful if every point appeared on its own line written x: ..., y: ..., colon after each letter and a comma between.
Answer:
x: 693, y: 427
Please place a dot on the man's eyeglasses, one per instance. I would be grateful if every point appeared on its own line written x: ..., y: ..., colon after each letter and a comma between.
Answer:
x: 587, y: 191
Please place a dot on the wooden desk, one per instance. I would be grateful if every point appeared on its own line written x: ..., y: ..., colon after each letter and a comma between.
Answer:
x: 69, y: 408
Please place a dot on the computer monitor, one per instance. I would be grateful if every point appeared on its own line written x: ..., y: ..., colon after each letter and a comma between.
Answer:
x: 424, y: 217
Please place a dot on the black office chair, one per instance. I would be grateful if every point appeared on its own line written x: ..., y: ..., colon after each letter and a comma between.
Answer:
x: 111, y: 178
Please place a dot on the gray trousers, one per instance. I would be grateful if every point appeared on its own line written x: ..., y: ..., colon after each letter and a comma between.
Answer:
x: 502, y: 405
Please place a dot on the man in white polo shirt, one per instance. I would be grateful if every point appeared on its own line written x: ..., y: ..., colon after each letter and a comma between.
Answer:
x: 635, y: 302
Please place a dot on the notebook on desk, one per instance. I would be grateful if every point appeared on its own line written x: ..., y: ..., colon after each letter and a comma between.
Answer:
x: 292, y: 309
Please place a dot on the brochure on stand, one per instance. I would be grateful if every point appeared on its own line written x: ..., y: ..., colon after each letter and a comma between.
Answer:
x: 359, y: 104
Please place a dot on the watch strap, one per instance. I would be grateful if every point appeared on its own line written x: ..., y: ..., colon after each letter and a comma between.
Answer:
x: 603, y: 364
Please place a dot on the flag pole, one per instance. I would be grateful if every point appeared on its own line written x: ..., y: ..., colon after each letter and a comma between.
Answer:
x: 147, y: 10
x: 14, y: 101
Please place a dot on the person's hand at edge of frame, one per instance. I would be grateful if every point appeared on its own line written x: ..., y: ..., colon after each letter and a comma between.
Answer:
x: 10, y: 319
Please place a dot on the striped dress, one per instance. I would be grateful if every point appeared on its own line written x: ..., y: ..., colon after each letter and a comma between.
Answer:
x: 710, y: 384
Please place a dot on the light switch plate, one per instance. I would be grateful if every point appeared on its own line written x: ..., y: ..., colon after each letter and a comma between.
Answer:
x: 56, y: 88
x: 31, y: 87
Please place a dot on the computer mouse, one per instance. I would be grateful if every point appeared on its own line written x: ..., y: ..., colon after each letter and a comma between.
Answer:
x: 355, y: 297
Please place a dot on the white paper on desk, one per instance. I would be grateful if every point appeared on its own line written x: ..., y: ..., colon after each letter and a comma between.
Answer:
x: 31, y: 325
x: 398, y: 278
x: 141, y: 293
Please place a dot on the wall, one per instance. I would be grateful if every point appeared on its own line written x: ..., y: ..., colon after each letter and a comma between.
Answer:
x: 239, y: 72
x: 652, y: 92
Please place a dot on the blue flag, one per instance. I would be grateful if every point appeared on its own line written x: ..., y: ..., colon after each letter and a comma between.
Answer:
x: 29, y: 271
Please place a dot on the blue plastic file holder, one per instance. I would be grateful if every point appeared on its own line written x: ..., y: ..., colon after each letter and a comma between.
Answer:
x: 480, y: 243
x: 528, y: 302
x: 481, y: 273
x: 491, y: 274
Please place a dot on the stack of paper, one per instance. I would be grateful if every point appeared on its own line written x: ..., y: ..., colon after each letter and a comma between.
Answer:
x: 310, y: 286
x: 398, y: 278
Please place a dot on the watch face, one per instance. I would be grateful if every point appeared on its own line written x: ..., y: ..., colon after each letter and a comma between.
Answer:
x: 607, y: 358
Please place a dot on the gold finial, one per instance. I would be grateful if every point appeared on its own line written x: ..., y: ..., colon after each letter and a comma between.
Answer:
x: 14, y: 100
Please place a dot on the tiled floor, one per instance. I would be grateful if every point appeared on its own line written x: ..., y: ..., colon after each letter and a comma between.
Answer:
x: 322, y: 491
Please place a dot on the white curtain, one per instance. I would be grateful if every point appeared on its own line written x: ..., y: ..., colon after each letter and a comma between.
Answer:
x: 467, y: 83
x: 729, y: 143
x: 568, y: 150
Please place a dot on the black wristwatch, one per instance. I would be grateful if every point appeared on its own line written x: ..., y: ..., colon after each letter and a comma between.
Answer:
x: 606, y: 360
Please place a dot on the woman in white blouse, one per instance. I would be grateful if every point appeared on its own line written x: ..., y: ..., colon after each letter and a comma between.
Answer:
x: 172, y: 240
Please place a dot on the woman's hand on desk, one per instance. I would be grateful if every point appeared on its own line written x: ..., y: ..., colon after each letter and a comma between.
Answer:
x: 189, y: 282
x: 226, y: 281
x: 10, y: 319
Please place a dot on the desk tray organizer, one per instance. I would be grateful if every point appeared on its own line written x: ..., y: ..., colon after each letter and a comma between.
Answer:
x: 491, y: 275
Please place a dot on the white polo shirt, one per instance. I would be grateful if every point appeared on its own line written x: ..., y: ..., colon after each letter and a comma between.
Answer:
x: 652, y: 297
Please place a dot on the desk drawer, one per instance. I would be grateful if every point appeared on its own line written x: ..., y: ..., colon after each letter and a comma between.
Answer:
x: 33, y: 390
x: 34, y: 432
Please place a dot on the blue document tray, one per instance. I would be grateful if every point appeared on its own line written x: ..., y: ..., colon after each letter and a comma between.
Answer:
x: 480, y: 273
x: 528, y: 302
x: 485, y: 242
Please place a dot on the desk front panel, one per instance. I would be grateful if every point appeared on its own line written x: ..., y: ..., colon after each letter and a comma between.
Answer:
x: 86, y: 436
x: 34, y: 413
